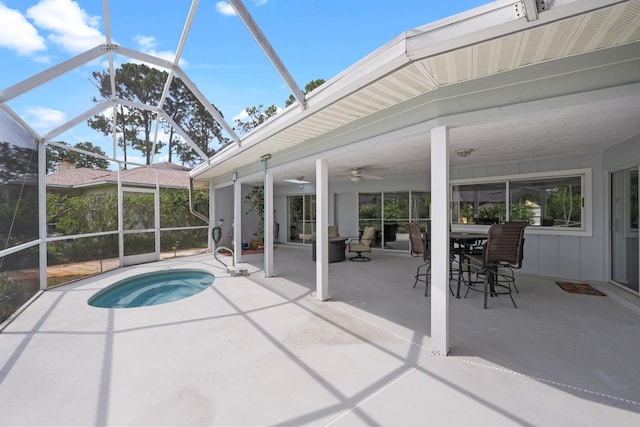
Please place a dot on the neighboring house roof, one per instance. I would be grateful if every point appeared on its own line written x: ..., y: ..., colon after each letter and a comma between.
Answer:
x: 170, y: 176
x: 80, y: 177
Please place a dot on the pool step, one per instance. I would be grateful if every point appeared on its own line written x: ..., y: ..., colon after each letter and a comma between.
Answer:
x: 237, y: 271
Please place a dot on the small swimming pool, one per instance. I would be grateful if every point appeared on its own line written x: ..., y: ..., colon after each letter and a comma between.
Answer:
x: 155, y: 288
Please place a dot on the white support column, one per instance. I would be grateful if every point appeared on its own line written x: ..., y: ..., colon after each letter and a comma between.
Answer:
x: 156, y: 216
x: 213, y: 215
x: 237, y: 223
x: 440, y: 240
x: 42, y: 213
x: 120, y: 218
x: 268, y: 224
x: 322, y: 230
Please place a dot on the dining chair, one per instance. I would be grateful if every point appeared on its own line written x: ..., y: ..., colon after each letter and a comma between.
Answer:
x: 494, y: 266
x: 507, y: 269
x: 419, y: 246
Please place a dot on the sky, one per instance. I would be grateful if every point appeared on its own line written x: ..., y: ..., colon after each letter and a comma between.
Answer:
x: 314, y: 39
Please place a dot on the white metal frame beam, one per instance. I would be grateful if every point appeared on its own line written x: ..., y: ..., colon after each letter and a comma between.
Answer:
x: 268, y: 50
x: 167, y: 84
x: 164, y: 114
x: 51, y: 73
x: 207, y: 105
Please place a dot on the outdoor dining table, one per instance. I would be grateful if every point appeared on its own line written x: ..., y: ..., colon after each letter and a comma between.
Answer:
x: 464, y: 242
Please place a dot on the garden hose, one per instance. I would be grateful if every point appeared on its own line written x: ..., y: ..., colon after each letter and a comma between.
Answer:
x: 216, y: 234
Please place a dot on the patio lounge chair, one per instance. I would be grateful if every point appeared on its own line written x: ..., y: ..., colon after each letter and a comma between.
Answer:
x: 363, y: 244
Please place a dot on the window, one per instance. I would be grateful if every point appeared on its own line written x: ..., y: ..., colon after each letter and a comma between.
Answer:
x: 389, y: 213
x: 479, y: 203
x: 552, y: 201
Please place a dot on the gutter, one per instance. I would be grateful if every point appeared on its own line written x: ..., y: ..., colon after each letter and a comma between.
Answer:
x: 191, y: 207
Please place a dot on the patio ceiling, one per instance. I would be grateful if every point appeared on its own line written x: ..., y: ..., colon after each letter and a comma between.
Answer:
x: 565, y: 82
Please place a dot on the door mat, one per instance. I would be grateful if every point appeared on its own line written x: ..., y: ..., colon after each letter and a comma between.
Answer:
x: 580, y: 288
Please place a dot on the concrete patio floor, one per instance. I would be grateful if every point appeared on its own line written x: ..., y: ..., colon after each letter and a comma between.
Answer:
x: 258, y: 351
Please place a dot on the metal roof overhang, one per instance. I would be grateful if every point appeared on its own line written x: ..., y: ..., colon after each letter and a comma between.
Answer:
x: 485, y: 49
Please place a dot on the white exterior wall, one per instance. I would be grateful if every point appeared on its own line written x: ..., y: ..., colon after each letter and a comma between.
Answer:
x: 570, y: 257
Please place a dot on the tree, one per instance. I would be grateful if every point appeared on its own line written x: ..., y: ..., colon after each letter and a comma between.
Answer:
x: 143, y: 84
x: 308, y: 88
x: 200, y: 127
x: 255, y: 199
x: 56, y: 155
x: 138, y: 83
x: 256, y: 116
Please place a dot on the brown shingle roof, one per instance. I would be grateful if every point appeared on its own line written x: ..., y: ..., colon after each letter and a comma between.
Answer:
x: 80, y: 176
x: 170, y: 175
x: 147, y: 176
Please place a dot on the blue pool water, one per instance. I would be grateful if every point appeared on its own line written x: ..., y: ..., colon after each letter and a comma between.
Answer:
x: 153, y: 288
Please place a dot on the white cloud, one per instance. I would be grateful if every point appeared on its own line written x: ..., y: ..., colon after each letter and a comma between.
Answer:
x: 43, y: 59
x: 240, y: 116
x: 43, y: 119
x: 225, y: 8
x: 71, y: 27
x: 147, y: 44
x: 17, y: 34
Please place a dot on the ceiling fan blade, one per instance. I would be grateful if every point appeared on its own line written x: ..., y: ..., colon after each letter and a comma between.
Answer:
x: 365, y: 176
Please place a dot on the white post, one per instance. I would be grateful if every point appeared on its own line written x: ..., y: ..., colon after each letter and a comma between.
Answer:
x: 42, y: 212
x: 156, y: 216
x: 237, y: 222
x: 120, y: 218
x: 268, y: 224
x: 322, y: 230
x: 440, y: 240
x: 213, y: 215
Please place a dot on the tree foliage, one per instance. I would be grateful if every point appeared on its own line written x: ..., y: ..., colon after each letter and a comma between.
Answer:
x: 258, y: 115
x: 307, y: 88
x: 56, y: 155
x: 19, y: 195
x: 135, y: 127
x: 255, y: 117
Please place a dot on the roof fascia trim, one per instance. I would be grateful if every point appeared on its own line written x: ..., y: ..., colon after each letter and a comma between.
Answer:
x: 468, y: 28
x: 389, y: 58
x: 491, y: 23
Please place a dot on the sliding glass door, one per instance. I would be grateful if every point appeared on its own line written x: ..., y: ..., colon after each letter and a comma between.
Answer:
x: 624, y: 228
x: 389, y: 213
x: 301, y: 218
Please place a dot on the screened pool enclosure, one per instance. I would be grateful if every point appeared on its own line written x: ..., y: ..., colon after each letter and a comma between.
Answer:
x: 499, y: 113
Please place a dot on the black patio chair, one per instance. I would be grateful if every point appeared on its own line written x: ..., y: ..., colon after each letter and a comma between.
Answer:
x: 494, y: 266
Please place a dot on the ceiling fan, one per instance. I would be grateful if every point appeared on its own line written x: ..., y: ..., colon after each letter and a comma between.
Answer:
x: 355, y: 175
